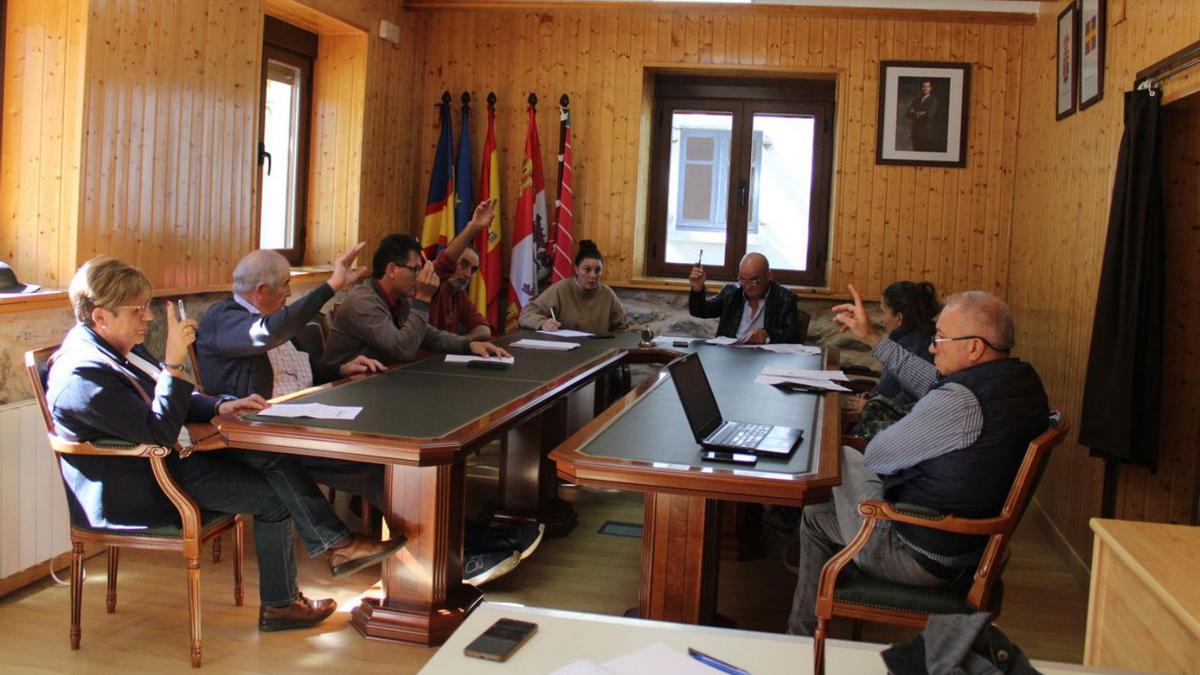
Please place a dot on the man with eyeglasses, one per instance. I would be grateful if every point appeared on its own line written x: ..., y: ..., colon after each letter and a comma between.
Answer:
x: 756, y: 310
x: 387, y: 318
x: 957, y: 452
x: 451, y: 308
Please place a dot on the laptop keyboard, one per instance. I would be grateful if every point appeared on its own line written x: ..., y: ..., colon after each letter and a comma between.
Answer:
x: 742, y: 435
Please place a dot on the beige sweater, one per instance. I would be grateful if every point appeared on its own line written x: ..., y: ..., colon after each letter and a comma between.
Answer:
x: 598, y: 311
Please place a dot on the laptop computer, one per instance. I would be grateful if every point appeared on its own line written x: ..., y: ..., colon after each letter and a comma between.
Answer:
x: 713, y: 431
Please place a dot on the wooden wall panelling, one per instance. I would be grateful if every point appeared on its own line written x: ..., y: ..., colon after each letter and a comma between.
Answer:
x: 1063, y: 184
x: 43, y: 95
x: 889, y: 222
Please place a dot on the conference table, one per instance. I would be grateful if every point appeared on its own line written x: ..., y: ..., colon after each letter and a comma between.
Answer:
x: 643, y: 443
x: 421, y: 421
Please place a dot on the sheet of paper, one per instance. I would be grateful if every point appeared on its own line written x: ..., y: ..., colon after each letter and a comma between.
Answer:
x: 528, y: 343
x: 583, y: 667
x: 657, y: 658
x: 792, y: 349
x: 563, y: 332
x: 318, y: 411
x: 827, y: 385
x: 722, y: 341
x: 835, y: 375
x: 467, y: 358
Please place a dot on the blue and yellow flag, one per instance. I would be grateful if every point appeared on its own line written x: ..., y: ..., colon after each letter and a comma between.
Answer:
x: 438, y: 229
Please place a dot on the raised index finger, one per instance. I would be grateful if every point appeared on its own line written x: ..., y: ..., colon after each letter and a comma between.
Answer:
x: 858, y: 303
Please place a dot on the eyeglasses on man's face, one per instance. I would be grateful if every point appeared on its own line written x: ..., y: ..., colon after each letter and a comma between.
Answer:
x: 752, y: 281
x: 938, y: 339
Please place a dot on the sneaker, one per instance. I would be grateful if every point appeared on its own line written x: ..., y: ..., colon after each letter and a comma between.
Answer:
x: 504, y: 538
x: 791, y: 557
x: 480, y: 568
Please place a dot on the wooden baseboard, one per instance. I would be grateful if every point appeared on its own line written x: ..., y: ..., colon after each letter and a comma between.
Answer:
x: 35, y: 573
x: 1079, y: 569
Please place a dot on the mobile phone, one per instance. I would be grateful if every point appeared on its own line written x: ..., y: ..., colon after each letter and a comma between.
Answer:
x: 681, y: 343
x: 730, y: 457
x: 493, y: 365
x: 500, y: 640
x: 182, y: 309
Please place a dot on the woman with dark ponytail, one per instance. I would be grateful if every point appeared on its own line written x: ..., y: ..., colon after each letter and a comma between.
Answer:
x: 579, y: 303
x: 910, y: 311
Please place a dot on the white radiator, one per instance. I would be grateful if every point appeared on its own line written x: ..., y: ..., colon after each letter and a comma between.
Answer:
x: 33, y: 507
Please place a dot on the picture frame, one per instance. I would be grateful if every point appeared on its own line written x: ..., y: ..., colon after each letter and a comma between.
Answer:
x: 923, y: 111
x: 1092, y: 37
x: 1066, y: 88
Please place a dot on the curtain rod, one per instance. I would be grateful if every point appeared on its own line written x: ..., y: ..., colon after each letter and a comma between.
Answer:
x: 1180, y: 61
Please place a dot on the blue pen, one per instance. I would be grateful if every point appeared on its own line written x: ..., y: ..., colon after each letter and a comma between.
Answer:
x: 713, y: 662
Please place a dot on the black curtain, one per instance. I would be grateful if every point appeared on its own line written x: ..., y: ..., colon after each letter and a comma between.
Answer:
x: 1122, y: 393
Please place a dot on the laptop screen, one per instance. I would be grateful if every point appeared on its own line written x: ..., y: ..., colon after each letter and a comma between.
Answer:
x: 695, y: 394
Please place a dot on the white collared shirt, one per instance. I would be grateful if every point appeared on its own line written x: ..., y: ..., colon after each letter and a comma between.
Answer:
x: 751, y: 320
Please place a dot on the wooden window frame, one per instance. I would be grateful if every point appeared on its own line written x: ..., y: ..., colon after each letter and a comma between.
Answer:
x: 744, y: 98
x: 296, y: 47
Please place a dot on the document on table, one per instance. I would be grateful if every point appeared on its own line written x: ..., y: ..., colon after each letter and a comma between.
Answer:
x: 670, y: 340
x: 563, y: 332
x: 805, y: 350
x: 467, y: 358
x: 528, y: 343
x: 656, y: 658
x: 820, y: 379
x: 318, y: 411
x: 723, y: 341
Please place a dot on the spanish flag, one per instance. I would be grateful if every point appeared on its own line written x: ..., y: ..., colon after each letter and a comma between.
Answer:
x: 438, y: 228
x: 485, y: 287
x: 530, y: 229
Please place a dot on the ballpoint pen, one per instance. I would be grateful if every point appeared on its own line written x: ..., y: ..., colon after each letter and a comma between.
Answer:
x: 715, y: 662
x: 700, y: 257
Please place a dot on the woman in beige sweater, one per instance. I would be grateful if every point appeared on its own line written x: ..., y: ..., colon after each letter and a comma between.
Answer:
x: 579, y: 303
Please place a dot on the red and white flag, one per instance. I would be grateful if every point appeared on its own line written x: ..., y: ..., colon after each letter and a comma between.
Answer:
x: 530, y: 229
x: 563, y: 238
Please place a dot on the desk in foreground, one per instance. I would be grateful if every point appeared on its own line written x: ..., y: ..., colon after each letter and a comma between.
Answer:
x: 643, y: 443
x: 564, y: 637
x: 1144, y: 607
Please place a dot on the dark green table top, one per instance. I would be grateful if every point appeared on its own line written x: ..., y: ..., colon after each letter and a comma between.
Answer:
x: 432, y: 398
x: 655, y: 429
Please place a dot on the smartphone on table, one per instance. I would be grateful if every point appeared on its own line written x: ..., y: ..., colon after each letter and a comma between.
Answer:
x: 501, y: 640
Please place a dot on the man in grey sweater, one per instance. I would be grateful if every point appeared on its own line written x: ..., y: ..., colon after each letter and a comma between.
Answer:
x: 387, y: 317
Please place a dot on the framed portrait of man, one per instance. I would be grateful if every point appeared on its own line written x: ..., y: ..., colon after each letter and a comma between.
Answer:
x: 1066, y: 89
x: 923, y: 113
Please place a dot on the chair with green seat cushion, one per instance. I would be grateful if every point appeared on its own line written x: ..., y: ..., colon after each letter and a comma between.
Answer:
x: 845, y: 590
x: 188, y: 536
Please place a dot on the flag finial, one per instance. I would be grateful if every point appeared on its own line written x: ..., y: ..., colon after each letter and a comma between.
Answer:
x: 564, y: 101
x: 532, y: 99
x: 466, y: 98
x: 445, y: 98
x: 491, y: 99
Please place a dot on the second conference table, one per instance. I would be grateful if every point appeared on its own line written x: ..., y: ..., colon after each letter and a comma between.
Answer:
x: 422, y: 420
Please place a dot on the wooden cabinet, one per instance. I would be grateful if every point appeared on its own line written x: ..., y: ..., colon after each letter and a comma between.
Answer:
x: 1144, y: 608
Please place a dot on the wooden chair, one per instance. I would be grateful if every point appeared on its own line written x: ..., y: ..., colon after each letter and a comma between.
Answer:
x: 194, y: 368
x: 844, y: 590
x: 188, y: 538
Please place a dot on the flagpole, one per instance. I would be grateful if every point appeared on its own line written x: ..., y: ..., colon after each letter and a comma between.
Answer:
x: 563, y: 102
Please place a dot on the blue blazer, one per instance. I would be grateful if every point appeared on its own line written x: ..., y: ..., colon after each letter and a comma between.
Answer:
x: 90, y: 399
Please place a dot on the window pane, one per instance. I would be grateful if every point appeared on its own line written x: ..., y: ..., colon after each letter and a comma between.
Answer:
x: 781, y: 189
x: 281, y: 124
x: 698, y: 196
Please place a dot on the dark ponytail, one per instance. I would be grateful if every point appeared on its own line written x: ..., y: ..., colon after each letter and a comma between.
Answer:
x: 917, y: 302
x: 587, y: 250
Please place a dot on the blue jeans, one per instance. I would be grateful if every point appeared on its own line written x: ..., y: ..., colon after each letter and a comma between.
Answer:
x: 219, y: 485
x: 319, y: 528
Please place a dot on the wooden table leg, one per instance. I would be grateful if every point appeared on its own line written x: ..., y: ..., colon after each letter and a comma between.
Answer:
x: 680, y: 558
x: 528, y: 479
x: 741, y: 531
x: 424, y: 598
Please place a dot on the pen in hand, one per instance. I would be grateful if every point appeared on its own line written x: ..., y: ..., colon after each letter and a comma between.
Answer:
x: 700, y: 257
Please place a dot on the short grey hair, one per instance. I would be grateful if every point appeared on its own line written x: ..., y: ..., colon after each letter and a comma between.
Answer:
x: 259, y: 267
x: 992, y: 317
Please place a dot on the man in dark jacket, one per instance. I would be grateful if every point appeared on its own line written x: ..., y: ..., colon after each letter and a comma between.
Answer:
x: 245, y: 346
x: 957, y: 452
x: 756, y: 310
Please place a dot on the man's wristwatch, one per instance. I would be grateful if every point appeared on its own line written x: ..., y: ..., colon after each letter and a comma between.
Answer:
x: 170, y: 366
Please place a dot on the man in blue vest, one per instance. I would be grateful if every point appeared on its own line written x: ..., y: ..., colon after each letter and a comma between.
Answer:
x: 957, y: 452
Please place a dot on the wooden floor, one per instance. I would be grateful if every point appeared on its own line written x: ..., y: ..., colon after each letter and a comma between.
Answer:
x: 1044, y: 609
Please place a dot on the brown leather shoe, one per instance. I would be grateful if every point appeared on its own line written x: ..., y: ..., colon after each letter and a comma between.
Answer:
x: 359, y: 553
x: 302, y: 613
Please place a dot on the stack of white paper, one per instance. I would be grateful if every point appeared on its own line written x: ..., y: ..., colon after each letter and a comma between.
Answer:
x: 527, y: 343
x: 656, y: 658
x: 467, y: 358
x: 563, y: 332
x: 670, y: 340
x: 804, y: 350
x: 723, y: 341
x: 318, y: 411
x: 821, y: 379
